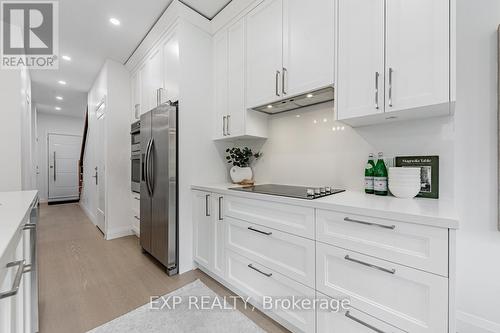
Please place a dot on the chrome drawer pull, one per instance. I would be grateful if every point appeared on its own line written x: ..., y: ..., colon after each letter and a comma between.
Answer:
x: 221, y: 218
x: 348, y: 219
x: 29, y: 226
x: 207, y: 199
x: 359, y: 321
x: 17, y: 279
x: 137, y: 218
x: 258, y: 270
x: 260, y: 231
x: 391, y: 271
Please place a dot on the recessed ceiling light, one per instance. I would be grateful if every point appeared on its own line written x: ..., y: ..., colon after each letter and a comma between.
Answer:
x: 62, y: 82
x: 309, y: 95
x: 66, y: 57
x: 57, y: 108
x: 59, y: 98
x: 269, y: 106
x: 114, y: 21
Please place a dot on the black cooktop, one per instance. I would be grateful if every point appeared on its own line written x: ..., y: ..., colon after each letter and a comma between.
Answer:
x: 300, y: 192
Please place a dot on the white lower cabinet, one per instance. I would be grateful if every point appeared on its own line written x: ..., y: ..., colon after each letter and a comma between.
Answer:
x: 16, y: 276
x: 209, y: 231
x: 135, y: 213
x: 409, y: 244
x: 263, y: 284
x: 287, y: 254
x: 351, y: 321
x: 408, y: 298
x: 392, y: 273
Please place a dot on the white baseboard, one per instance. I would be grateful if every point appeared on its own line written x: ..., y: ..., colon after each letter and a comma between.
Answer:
x: 88, y: 213
x: 136, y: 230
x: 119, y: 232
x: 469, y: 323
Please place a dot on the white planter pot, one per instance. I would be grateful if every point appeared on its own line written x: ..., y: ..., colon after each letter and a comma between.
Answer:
x: 238, y: 174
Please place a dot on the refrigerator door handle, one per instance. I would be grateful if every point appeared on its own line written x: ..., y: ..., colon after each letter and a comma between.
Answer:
x: 151, y: 170
x: 146, y: 167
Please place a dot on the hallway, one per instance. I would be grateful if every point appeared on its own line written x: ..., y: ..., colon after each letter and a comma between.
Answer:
x: 86, y: 281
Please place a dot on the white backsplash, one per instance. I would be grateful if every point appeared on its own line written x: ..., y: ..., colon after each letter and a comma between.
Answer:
x: 307, y: 147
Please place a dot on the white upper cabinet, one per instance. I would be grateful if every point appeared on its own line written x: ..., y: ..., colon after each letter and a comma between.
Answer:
x: 154, y: 81
x: 264, y: 53
x: 417, y: 53
x: 157, y: 79
x: 135, y: 81
x: 308, y: 45
x: 144, y: 88
x: 406, y: 46
x: 171, y: 68
x: 360, y: 89
x: 236, y: 79
x: 232, y: 120
x: 220, y: 83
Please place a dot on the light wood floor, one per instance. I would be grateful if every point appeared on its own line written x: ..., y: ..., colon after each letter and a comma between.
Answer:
x: 86, y: 281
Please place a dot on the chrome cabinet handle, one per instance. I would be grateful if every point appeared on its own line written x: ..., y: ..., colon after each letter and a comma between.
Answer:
x: 260, y: 231
x: 377, y: 74
x: 207, y: 211
x: 96, y: 176
x: 283, y: 80
x: 136, y: 198
x: 137, y: 217
x: 390, y: 86
x: 54, y: 166
x: 348, y: 219
x: 29, y: 226
x: 220, y: 209
x: 224, y: 119
x: 227, y: 124
x: 17, y: 279
x: 258, y: 270
x: 390, y: 271
x: 277, y: 77
x: 359, y: 321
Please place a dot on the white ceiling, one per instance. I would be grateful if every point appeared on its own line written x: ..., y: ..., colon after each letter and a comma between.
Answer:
x: 86, y: 35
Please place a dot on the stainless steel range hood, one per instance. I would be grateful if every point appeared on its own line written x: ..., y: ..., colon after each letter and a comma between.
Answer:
x: 292, y: 103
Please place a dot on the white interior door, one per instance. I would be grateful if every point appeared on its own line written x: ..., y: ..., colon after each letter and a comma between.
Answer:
x: 64, y: 152
x: 99, y: 170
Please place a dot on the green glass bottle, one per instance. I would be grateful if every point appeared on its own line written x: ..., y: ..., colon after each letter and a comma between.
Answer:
x: 369, y: 171
x: 380, y: 176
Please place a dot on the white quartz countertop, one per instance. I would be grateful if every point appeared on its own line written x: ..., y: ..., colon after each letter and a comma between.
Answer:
x: 14, y: 207
x: 433, y: 212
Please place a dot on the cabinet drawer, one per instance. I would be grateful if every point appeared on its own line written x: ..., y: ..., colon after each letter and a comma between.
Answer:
x: 254, y: 284
x: 413, y: 300
x: 287, y: 254
x: 136, y: 203
x: 288, y: 218
x: 417, y: 246
x: 351, y: 321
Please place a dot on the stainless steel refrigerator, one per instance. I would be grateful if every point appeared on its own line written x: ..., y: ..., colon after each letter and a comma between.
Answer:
x: 159, y: 186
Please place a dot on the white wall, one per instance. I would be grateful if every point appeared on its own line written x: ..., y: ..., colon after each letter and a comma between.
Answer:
x: 306, y: 150
x: 478, y: 267
x: 55, y: 124
x: 113, y: 85
x: 15, y: 142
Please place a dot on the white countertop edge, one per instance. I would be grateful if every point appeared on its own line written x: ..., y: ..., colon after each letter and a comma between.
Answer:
x: 431, y: 212
x: 12, y: 217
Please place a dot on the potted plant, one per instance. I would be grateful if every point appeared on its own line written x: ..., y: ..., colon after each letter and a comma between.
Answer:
x: 241, y: 159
